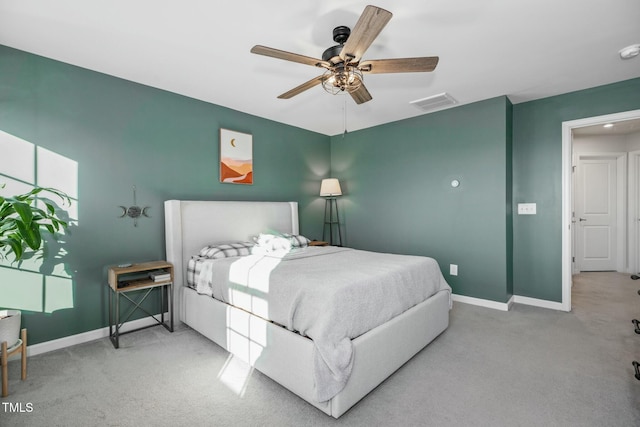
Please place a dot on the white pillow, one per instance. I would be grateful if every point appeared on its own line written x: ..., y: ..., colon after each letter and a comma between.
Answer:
x: 269, y: 242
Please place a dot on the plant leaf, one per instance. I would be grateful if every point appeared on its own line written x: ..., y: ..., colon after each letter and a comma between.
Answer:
x: 16, y: 246
x: 30, y: 234
x: 9, y: 224
x: 50, y: 208
x: 24, y: 210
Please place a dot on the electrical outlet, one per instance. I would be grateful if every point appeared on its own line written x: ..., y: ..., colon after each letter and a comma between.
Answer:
x: 526, y: 208
x: 453, y: 269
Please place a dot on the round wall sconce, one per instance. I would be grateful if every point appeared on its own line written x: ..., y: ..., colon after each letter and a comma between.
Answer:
x: 455, y: 183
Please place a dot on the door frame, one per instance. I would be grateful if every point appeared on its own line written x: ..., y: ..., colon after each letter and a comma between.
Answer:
x: 634, y: 211
x: 567, y: 196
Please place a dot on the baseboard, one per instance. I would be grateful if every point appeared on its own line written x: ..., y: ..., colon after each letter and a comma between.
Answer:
x: 96, y: 334
x: 502, y: 306
x: 506, y: 306
x: 538, y: 302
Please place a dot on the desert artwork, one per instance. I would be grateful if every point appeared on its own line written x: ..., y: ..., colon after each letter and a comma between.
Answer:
x: 236, y: 157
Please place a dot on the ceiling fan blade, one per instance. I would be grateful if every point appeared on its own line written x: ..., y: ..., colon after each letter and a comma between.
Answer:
x: 400, y: 65
x: 369, y: 25
x: 361, y: 95
x: 304, y: 86
x: 288, y: 56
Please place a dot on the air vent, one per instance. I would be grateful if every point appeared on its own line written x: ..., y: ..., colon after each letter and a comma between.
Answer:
x: 434, y: 102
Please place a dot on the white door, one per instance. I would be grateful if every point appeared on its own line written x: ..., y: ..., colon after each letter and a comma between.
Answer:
x: 596, y: 214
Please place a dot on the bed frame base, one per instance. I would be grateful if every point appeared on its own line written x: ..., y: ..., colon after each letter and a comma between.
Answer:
x: 287, y: 358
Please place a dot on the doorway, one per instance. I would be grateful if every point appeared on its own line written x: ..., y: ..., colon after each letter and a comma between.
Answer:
x: 632, y: 213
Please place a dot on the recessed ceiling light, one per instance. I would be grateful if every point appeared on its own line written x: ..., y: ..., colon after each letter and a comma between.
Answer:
x: 608, y: 125
x: 630, y: 51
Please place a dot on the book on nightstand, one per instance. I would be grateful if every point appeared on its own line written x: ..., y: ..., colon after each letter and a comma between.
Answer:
x: 159, y: 275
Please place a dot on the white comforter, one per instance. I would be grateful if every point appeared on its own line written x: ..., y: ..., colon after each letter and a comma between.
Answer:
x: 329, y: 294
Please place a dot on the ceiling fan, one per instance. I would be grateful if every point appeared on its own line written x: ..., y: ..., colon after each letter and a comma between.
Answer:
x: 342, y: 63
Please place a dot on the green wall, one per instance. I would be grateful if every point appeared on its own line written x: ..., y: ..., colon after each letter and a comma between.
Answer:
x: 537, y: 177
x: 123, y: 134
x: 395, y: 177
x: 398, y: 197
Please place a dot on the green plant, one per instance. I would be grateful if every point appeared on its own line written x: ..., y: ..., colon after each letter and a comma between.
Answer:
x: 22, y: 222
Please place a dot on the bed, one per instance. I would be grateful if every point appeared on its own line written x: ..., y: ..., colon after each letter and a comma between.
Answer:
x: 289, y: 358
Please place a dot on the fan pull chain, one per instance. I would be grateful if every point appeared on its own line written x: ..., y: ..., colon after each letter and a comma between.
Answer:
x: 344, y: 110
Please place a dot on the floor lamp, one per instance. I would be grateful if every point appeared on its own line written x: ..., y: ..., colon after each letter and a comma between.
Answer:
x: 330, y: 189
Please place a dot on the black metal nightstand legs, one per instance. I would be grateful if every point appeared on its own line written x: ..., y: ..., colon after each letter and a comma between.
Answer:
x: 115, y: 323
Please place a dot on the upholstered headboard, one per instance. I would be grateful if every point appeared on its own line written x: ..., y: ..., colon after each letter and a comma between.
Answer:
x: 191, y: 225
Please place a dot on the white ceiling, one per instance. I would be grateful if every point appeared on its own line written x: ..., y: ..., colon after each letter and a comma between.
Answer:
x: 625, y: 127
x: 525, y: 49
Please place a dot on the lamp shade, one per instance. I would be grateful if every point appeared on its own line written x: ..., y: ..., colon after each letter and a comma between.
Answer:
x: 330, y: 187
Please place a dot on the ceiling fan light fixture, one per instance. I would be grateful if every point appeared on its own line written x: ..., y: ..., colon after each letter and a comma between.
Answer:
x: 342, y: 62
x: 341, y: 79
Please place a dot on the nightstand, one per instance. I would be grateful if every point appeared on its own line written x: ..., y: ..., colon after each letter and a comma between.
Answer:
x: 318, y: 243
x: 138, y: 277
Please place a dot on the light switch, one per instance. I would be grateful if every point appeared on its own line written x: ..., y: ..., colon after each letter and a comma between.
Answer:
x: 526, y: 208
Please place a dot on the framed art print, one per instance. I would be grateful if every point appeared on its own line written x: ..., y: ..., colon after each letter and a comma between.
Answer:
x: 236, y: 157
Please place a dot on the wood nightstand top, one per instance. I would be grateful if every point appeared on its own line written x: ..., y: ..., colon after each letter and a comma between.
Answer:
x: 115, y: 273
